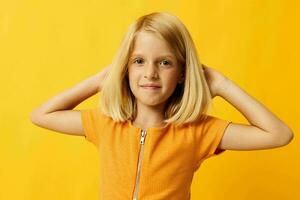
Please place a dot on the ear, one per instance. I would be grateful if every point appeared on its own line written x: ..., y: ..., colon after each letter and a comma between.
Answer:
x: 182, y: 75
x: 181, y: 79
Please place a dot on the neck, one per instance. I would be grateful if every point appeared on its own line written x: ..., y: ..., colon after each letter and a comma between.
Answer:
x: 149, y: 116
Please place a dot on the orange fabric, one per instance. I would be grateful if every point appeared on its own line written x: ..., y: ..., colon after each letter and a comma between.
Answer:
x: 171, y: 155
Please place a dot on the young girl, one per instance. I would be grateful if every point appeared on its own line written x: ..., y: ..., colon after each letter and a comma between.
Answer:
x: 152, y: 129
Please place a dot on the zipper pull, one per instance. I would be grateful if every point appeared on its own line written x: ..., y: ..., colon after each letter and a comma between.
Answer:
x: 143, y: 137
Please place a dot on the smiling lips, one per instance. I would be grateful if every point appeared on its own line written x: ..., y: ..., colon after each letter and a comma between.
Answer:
x: 151, y: 86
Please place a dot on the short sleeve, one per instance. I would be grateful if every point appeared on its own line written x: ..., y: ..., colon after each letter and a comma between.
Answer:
x: 211, y: 131
x: 91, y: 122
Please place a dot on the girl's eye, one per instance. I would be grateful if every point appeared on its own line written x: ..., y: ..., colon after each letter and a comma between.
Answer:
x: 137, y: 60
x: 166, y: 62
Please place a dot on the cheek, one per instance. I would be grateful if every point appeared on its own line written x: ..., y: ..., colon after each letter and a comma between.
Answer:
x: 133, y: 81
x: 171, y: 79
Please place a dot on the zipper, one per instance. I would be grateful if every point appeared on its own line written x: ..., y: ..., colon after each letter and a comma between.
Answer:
x: 137, y: 180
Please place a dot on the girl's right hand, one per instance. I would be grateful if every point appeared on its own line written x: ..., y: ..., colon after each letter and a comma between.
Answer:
x: 215, y: 79
x: 100, y: 76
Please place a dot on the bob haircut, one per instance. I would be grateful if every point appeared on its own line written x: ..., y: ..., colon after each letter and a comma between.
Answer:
x: 190, y: 100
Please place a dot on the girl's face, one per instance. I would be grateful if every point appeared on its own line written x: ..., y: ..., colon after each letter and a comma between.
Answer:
x: 152, y: 62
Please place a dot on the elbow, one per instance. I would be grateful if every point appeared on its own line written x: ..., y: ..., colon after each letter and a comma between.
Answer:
x: 285, y: 137
x: 34, y: 117
x: 290, y: 136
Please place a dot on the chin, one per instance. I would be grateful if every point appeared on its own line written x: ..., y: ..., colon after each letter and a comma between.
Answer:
x: 149, y: 102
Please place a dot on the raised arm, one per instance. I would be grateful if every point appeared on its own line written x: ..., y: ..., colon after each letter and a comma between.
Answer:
x: 57, y: 113
x: 265, y: 131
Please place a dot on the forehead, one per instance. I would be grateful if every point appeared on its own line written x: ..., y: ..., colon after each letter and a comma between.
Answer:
x: 147, y: 43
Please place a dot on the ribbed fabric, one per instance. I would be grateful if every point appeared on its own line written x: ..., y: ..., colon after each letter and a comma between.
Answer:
x: 171, y: 155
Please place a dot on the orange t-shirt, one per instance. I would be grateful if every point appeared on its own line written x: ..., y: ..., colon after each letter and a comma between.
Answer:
x: 168, y: 161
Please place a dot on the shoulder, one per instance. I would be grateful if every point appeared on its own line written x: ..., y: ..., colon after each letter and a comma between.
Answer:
x: 209, y: 124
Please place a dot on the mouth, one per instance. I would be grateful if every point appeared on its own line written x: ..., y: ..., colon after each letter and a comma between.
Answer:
x: 151, y: 87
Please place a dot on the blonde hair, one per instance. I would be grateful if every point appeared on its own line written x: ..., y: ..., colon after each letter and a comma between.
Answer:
x: 189, y: 100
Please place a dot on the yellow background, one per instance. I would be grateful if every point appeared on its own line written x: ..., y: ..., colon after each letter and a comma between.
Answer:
x: 49, y: 46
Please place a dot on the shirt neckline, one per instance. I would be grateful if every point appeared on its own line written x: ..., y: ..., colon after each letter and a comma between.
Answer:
x: 152, y: 129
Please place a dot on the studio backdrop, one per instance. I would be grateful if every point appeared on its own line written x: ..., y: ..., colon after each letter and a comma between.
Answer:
x: 48, y: 46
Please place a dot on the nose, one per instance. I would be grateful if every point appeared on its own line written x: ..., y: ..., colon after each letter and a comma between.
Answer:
x: 151, y: 71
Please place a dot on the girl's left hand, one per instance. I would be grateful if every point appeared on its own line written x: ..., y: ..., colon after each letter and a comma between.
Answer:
x: 215, y: 80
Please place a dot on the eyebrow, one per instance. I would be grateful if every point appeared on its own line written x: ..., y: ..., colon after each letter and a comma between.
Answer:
x: 163, y: 56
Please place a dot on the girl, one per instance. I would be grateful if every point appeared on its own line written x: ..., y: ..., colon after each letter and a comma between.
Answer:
x: 152, y: 129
